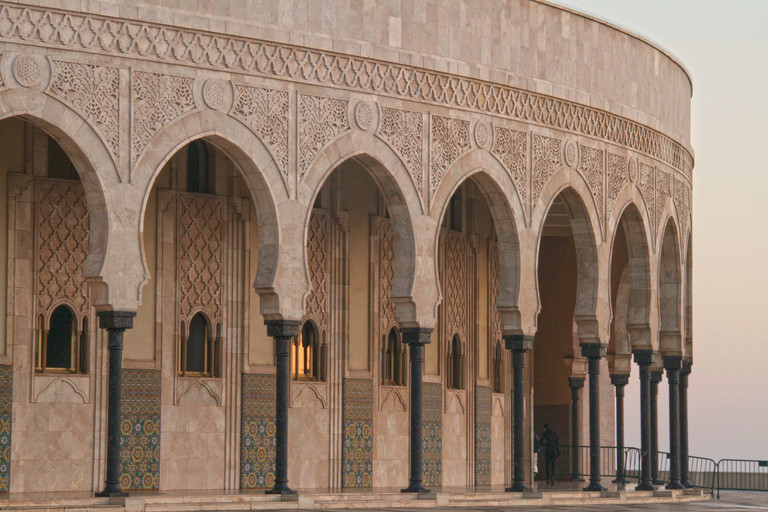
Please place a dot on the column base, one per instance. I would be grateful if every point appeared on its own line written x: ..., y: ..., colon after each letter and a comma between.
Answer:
x: 687, y: 484
x: 658, y: 482
x: 645, y: 486
x: 595, y: 487
x: 415, y: 487
x: 577, y: 479
x: 620, y: 480
x: 675, y: 486
x: 518, y: 487
x: 280, y: 489
x: 107, y: 493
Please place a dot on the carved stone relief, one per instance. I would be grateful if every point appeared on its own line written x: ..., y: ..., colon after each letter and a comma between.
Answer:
x: 62, y: 238
x: 450, y: 140
x: 646, y: 182
x: 546, y: 161
x: 404, y: 132
x: 214, y: 93
x: 494, y: 320
x: 364, y: 115
x: 156, y: 101
x: 482, y: 134
x: 27, y: 70
x: 2, y: 84
x: 571, y: 153
x: 317, y: 256
x: 591, y: 167
x: 511, y: 147
x: 618, y: 176
x: 320, y: 121
x: 94, y: 92
x: 386, y: 238
x: 455, y: 285
x: 663, y: 193
x: 682, y: 205
x: 266, y: 112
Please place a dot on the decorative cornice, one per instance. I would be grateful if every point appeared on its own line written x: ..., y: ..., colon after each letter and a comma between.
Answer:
x: 133, y: 39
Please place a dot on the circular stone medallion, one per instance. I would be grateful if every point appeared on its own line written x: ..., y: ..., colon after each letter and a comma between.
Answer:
x: 26, y: 70
x: 364, y: 115
x: 571, y: 153
x: 482, y: 134
x: 214, y: 93
x: 632, y: 170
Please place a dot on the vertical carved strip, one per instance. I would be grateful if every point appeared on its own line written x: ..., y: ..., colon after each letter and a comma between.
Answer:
x: 317, y: 252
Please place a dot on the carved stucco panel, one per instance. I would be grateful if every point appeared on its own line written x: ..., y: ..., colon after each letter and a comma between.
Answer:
x: 682, y: 205
x: 618, y: 176
x: 663, y: 193
x: 266, y: 112
x: 546, y: 161
x: 511, y: 147
x: 320, y: 121
x: 404, y: 132
x: 62, y: 238
x: 94, y: 92
x: 156, y: 101
x: 592, y: 167
x: 646, y: 182
x: 317, y: 256
x: 450, y: 140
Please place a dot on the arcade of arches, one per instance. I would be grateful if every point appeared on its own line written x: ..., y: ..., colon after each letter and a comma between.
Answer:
x: 262, y: 280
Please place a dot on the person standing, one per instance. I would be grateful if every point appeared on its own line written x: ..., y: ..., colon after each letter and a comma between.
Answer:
x: 551, y: 442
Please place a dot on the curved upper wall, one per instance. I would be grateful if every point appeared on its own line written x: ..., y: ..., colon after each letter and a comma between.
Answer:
x: 529, y: 44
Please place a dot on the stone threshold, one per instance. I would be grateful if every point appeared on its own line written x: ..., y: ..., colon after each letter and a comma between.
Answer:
x: 308, y: 500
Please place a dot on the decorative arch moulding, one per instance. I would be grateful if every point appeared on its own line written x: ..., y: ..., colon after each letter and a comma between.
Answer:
x: 149, y: 41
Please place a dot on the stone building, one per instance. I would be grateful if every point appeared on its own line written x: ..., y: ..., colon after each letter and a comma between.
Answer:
x: 353, y: 217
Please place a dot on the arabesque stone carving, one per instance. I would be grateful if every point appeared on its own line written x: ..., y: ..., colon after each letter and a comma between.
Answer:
x: 320, y: 121
x: 591, y: 167
x: 618, y: 176
x: 511, y: 148
x: 546, y: 161
x: 404, y: 132
x: 450, y: 140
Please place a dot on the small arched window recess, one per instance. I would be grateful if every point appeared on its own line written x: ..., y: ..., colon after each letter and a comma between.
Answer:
x: 198, y: 349
x: 59, y: 164
x: 455, y: 364
x: 393, y: 359
x: 308, y: 355
x: 498, y: 369
x: 199, y: 172
x: 60, y: 346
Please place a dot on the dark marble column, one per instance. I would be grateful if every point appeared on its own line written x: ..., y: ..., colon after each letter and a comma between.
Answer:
x: 519, y: 345
x: 594, y: 352
x: 656, y: 376
x: 116, y: 323
x: 416, y: 338
x: 576, y: 383
x: 685, y: 477
x: 283, y: 331
x: 644, y: 359
x: 619, y: 381
x: 673, y: 365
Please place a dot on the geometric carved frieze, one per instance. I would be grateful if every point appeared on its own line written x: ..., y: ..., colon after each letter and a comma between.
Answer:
x: 88, y: 32
x: 200, y: 228
x: 646, y: 182
x: 618, y: 176
x: 93, y: 92
x: 156, y: 101
x: 450, y: 140
x: 510, y: 147
x: 320, y: 121
x: 591, y: 167
x: 61, y: 242
x: 546, y: 161
x: 266, y: 111
x: 663, y: 193
x: 317, y: 258
x: 404, y: 132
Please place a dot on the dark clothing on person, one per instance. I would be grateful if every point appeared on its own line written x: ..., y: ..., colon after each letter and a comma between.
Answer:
x: 551, y: 442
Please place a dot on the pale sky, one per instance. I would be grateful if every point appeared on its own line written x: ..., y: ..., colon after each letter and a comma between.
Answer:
x: 724, y: 46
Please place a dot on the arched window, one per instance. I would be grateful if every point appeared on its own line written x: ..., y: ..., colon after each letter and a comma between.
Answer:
x: 61, y: 347
x: 59, y: 164
x: 199, y: 175
x: 455, y: 364
x: 308, y: 357
x: 392, y: 360
x: 198, y: 354
x: 498, y: 369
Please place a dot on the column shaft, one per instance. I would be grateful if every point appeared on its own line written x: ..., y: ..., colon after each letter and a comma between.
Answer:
x: 644, y: 359
x: 576, y: 383
x: 519, y: 345
x: 655, y: 380
x: 673, y: 366
x: 619, y: 381
x: 685, y: 477
x: 416, y: 338
x: 594, y: 352
x: 115, y: 322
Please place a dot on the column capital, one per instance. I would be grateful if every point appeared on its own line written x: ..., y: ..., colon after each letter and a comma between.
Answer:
x: 576, y: 382
x: 656, y: 376
x: 116, y: 320
x: 518, y: 342
x: 686, y: 369
x: 283, y: 328
x: 644, y: 357
x: 619, y: 379
x: 416, y: 335
x: 672, y: 363
x: 593, y: 350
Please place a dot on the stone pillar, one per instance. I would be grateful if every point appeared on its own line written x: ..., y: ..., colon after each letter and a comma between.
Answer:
x: 656, y: 376
x: 644, y: 359
x: 283, y: 331
x: 673, y: 365
x: 416, y: 338
x: 576, y: 383
x: 619, y: 381
x: 594, y: 352
x: 519, y: 345
x: 116, y: 323
x: 685, y: 477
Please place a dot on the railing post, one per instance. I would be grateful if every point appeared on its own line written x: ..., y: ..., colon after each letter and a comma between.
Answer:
x: 594, y: 352
x: 673, y: 364
x: 619, y: 381
x: 656, y: 376
x: 685, y: 477
x: 644, y: 359
x: 576, y: 383
x: 519, y: 345
x: 416, y: 338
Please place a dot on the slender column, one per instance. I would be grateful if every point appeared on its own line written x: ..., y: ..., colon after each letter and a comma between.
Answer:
x: 283, y: 331
x: 656, y: 376
x: 116, y: 323
x: 593, y: 352
x: 685, y: 477
x: 673, y: 365
x: 519, y: 345
x: 620, y: 381
x: 576, y: 383
x: 416, y: 338
x: 644, y: 359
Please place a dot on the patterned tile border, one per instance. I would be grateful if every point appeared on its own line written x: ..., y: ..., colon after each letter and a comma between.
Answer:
x: 6, y: 398
x: 257, y: 434
x: 433, y: 434
x: 483, y: 435
x: 357, y: 425
x: 140, y: 429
